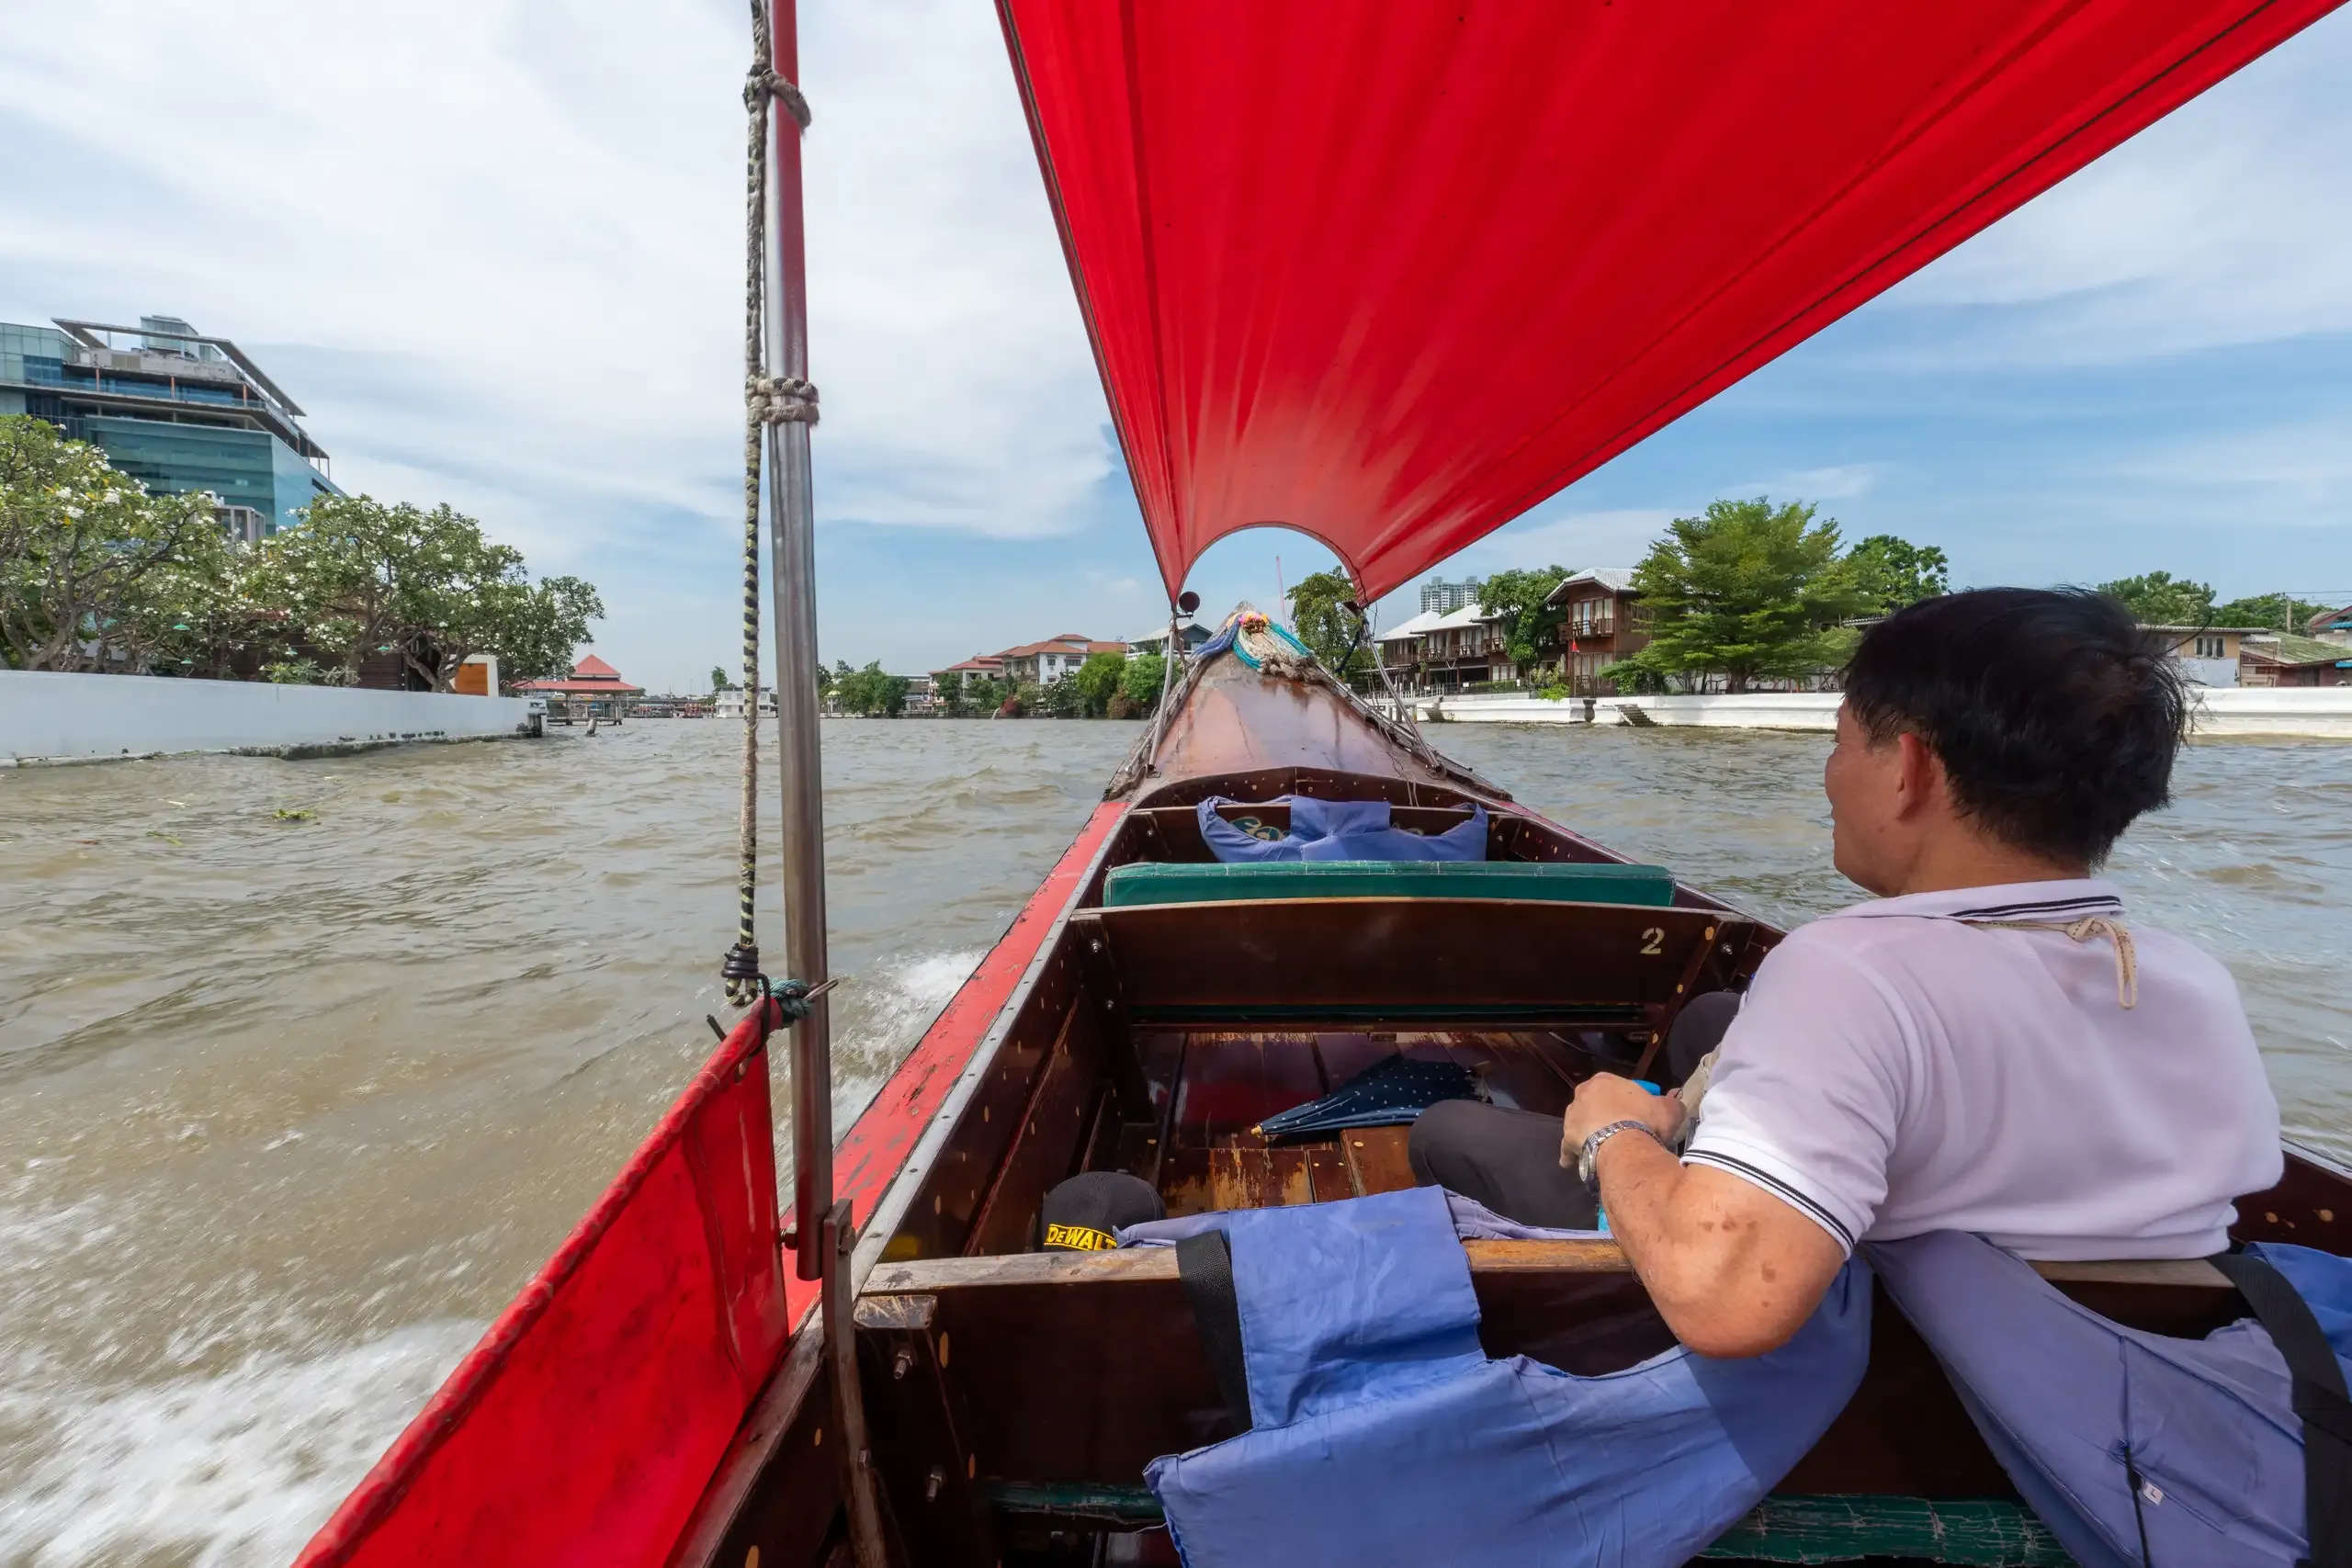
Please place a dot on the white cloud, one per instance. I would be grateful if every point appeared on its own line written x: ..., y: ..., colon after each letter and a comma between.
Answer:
x: 1841, y: 482
x: 2224, y: 223
x: 2296, y: 475
x: 1580, y: 539
x: 514, y: 229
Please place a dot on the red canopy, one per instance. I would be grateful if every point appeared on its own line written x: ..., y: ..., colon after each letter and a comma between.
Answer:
x: 1390, y: 274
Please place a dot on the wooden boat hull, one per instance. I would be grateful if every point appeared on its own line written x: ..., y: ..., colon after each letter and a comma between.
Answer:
x: 1014, y: 1397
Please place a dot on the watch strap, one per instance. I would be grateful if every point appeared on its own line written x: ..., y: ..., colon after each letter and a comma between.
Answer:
x: 1585, y: 1167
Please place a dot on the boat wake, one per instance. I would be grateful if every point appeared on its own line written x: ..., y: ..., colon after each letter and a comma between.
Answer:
x: 210, y: 1470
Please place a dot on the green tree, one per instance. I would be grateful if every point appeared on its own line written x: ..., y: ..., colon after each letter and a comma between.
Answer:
x: 1320, y: 613
x: 1098, y: 680
x: 1139, y: 682
x: 1517, y: 599
x: 1061, y: 699
x: 718, y: 680
x: 359, y: 576
x: 1895, y: 573
x: 94, y: 571
x: 535, y: 628
x: 871, y: 692
x: 1746, y: 591
x: 2160, y: 599
x: 2272, y: 612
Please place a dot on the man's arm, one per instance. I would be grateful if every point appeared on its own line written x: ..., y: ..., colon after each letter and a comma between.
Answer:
x: 1733, y: 1270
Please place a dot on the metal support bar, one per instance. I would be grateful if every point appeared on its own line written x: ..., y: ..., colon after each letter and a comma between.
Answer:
x: 859, y: 1488
x: 792, y: 533
x: 824, y: 1231
x: 1166, y: 682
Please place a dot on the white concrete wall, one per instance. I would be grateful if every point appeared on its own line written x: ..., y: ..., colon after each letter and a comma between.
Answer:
x: 46, y: 718
x: 2322, y: 713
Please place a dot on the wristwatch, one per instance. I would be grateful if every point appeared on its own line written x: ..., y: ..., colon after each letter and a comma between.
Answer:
x: 1600, y: 1135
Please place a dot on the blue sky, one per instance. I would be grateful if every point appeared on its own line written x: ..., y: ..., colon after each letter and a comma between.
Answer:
x: 493, y: 247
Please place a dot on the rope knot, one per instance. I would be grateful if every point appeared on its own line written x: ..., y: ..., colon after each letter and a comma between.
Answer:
x: 764, y: 82
x: 741, y: 970
x: 780, y: 400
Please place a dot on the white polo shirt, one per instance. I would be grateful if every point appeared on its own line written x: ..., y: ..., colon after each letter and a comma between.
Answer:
x: 1894, y: 1071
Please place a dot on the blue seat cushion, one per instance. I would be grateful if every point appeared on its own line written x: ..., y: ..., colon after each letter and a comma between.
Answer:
x: 1156, y: 882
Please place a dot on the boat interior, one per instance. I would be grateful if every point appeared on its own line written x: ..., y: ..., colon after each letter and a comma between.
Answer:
x: 1016, y: 1395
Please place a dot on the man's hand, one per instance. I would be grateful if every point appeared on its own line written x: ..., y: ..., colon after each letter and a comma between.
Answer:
x: 1605, y: 1097
x: 1733, y: 1269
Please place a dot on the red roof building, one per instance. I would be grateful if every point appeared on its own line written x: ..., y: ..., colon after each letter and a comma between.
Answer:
x: 593, y: 690
x: 591, y: 677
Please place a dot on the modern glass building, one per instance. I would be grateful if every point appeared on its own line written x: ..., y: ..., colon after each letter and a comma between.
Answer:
x: 175, y: 410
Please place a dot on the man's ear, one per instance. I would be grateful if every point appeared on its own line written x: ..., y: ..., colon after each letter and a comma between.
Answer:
x: 1919, y: 775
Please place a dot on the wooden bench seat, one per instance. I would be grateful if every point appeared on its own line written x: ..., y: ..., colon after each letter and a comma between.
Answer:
x: 1402, y: 963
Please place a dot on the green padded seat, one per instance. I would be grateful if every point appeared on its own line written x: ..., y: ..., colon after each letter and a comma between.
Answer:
x: 1155, y: 882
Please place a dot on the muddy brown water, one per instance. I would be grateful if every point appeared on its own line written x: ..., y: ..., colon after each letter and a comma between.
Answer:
x: 289, y: 1106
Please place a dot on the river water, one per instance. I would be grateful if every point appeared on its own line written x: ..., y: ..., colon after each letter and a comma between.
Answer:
x: 305, y: 1066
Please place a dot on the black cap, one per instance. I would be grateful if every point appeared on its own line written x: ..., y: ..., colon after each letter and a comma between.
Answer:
x: 1084, y: 1214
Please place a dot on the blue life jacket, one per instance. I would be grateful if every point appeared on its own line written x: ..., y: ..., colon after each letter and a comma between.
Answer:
x: 2134, y: 1448
x: 1338, y: 829
x: 1381, y: 1433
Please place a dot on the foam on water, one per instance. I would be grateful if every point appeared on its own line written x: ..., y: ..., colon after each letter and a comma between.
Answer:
x: 216, y: 1472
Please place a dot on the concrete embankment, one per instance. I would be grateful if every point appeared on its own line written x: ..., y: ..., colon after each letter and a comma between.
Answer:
x: 2222, y: 711
x: 78, y: 719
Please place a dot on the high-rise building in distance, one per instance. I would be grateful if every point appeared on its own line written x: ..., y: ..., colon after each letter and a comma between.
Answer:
x: 175, y: 410
x: 1444, y: 598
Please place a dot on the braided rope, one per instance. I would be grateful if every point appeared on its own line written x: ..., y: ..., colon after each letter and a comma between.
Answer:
x: 767, y: 400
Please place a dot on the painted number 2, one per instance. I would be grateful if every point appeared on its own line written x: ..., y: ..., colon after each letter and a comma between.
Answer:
x: 1653, y: 942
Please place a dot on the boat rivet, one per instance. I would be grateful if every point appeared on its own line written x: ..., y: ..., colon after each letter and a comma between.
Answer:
x: 984, y: 1114
x: 2268, y: 1218
x: 899, y: 1365
x: 821, y: 1439
x: 2327, y: 1217
x: 1358, y: 1142
x: 933, y: 1483
x: 751, y: 1558
x: 971, y: 1466
x: 1709, y: 936
x: 943, y: 1346
x: 935, y: 1202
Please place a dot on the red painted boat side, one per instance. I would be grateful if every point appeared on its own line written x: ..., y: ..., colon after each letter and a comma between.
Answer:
x: 585, y: 1424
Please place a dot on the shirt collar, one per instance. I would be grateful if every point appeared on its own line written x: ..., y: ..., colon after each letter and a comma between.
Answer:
x: 2070, y: 900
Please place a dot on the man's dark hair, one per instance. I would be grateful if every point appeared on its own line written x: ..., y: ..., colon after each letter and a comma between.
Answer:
x: 2056, y: 715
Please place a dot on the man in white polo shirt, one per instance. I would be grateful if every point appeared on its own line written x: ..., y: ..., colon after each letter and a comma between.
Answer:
x: 1991, y: 1046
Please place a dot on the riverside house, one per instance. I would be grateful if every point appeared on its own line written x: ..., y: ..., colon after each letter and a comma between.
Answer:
x: 2209, y: 656
x: 2283, y: 659
x: 1599, y: 623
x: 1445, y: 650
x: 1047, y: 661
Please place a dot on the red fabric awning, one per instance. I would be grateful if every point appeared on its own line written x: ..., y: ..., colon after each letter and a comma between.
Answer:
x: 1391, y: 274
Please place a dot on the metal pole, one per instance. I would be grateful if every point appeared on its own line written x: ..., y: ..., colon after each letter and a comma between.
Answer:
x: 1166, y: 679
x: 792, y: 534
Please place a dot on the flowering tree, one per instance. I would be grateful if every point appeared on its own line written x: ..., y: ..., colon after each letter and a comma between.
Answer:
x: 94, y: 572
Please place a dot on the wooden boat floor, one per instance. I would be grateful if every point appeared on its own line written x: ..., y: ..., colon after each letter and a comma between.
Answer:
x: 1212, y: 1089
